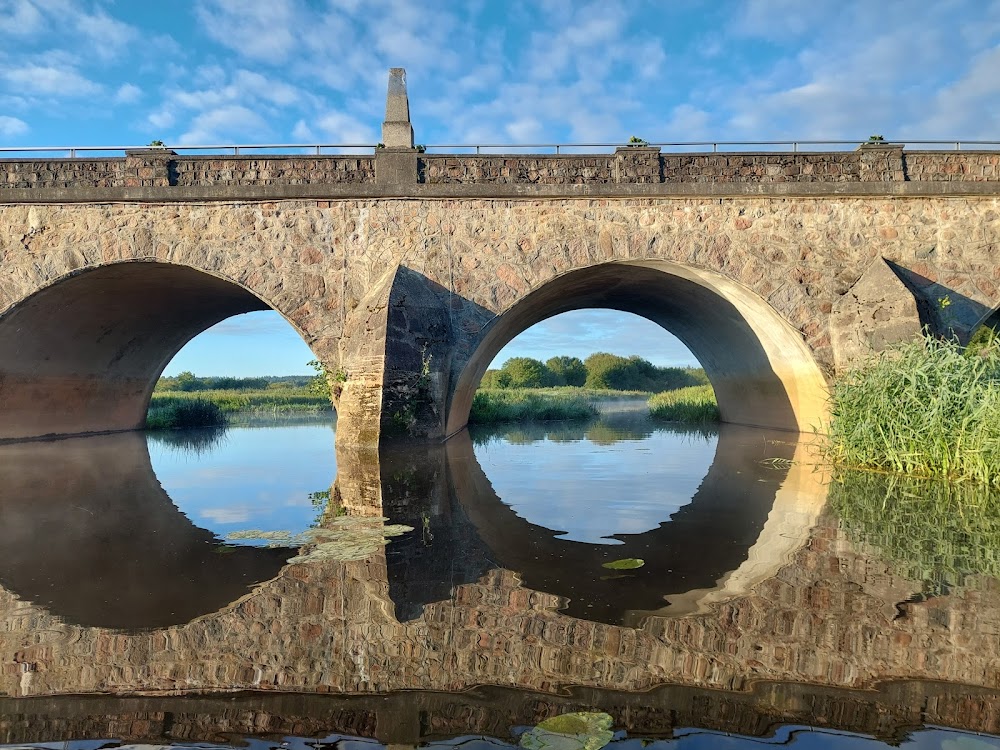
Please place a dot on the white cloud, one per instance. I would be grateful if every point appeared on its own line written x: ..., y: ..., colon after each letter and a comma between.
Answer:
x: 161, y: 119
x: 106, y: 35
x: 128, y: 94
x: 969, y: 107
x: 303, y: 133
x: 259, y: 29
x: 338, y: 127
x: 34, y: 80
x: 235, y: 514
x: 11, y: 126
x: 20, y: 18
x: 226, y: 124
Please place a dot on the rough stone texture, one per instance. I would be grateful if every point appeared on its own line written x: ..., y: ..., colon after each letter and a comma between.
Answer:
x: 273, y: 170
x: 551, y: 170
x: 965, y: 166
x: 49, y: 173
x: 634, y: 165
x: 878, y: 311
x: 316, y: 261
x: 154, y: 168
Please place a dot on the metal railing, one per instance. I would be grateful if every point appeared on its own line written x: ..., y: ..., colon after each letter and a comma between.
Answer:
x: 352, y: 149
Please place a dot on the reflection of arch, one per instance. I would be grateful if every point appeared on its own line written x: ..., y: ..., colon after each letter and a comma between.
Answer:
x: 89, y: 534
x: 760, y: 367
x: 82, y: 355
x: 712, y: 546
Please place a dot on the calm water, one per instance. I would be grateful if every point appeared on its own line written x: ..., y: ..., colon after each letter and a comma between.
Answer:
x: 705, y: 589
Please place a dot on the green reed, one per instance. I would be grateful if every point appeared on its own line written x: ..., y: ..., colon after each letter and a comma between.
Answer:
x: 695, y: 404
x: 167, y: 414
x: 267, y: 401
x: 523, y: 405
x: 923, y: 409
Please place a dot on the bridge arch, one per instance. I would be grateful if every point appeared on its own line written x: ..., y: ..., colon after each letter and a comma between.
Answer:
x: 763, y: 372
x: 82, y: 354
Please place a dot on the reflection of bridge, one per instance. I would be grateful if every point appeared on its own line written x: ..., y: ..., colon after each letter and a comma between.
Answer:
x: 825, y: 618
x: 406, y: 272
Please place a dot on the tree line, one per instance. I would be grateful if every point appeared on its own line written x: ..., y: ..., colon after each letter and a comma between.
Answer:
x: 598, y: 371
x: 188, y: 381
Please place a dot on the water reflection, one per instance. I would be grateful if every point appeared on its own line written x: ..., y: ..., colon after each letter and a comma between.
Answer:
x: 89, y: 534
x: 699, y: 531
x: 756, y: 605
x: 248, y: 478
x: 939, y: 534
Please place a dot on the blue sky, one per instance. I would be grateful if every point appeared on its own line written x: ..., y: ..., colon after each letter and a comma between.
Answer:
x: 93, y: 72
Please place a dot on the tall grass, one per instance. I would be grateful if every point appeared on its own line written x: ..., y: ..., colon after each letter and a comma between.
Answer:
x: 695, y: 404
x: 270, y: 401
x: 923, y: 409
x: 167, y: 414
x: 515, y: 405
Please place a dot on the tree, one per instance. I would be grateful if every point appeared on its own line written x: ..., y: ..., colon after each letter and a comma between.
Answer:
x: 187, y: 381
x: 493, y: 379
x: 319, y: 384
x: 567, y: 371
x: 525, y: 372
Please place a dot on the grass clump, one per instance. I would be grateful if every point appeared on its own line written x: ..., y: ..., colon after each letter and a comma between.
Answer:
x: 169, y: 414
x: 922, y: 409
x: 936, y: 532
x: 517, y: 405
x: 695, y: 404
x: 266, y: 401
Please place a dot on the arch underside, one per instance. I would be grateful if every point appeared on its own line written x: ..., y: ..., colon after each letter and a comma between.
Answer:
x: 760, y: 367
x: 82, y: 355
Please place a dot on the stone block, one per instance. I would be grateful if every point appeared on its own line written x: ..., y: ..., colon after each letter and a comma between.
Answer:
x: 875, y: 313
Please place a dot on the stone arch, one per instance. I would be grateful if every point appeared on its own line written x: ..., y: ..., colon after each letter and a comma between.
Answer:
x: 82, y: 354
x: 762, y: 370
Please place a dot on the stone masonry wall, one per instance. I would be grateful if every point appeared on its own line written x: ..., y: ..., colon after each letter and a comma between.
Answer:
x: 626, y: 165
x: 547, y: 170
x: 165, y: 169
x: 272, y: 170
x: 965, y: 166
x: 61, y: 173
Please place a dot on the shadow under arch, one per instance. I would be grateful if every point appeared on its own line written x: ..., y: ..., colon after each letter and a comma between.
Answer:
x: 761, y: 368
x: 89, y: 534
x: 82, y: 354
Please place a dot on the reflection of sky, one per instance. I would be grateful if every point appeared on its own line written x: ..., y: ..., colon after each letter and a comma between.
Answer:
x: 254, y: 479
x: 591, y: 491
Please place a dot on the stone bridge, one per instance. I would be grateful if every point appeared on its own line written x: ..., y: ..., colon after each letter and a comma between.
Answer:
x: 406, y: 272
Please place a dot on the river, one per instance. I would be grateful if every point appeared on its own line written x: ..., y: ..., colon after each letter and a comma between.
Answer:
x: 713, y: 587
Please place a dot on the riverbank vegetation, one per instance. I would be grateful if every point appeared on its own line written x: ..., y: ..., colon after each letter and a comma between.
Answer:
x: 174, y: 413
x: 695, y: 404
x: 523, y: 404
x: 188, y: 400
x: 929, y: 408
x: 526, y: 389
x: 599, y: 371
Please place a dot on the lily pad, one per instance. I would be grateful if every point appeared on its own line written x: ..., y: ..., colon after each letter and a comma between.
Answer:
x: 626, y: 563
x: 576, y: 731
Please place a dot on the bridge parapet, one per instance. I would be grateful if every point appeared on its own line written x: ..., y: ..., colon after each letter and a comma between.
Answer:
x: 644, y: 165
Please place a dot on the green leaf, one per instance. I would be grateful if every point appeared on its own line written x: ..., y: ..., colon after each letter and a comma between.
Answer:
x: 626, y: 563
